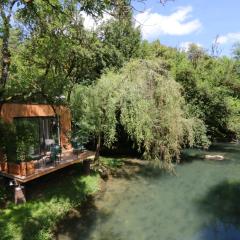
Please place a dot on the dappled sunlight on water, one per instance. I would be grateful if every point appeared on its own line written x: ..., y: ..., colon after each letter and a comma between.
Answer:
x: 200, y: 203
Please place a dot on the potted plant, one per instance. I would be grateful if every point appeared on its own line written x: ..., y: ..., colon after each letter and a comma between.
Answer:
x: 15, y: 142
x: 14, y: 168
x: 26, y: 142
x: 30, y: 167
x: 21, y: 157
x: 23, y: 165
x: 26, y: 166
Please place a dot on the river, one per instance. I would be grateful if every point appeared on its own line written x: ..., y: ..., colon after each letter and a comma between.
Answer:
x: 202, y: 202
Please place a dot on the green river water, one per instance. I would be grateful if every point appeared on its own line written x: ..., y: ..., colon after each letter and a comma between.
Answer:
x: 202, y: 202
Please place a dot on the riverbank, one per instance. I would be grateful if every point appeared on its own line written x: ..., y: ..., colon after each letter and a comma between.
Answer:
x: 50, y: 199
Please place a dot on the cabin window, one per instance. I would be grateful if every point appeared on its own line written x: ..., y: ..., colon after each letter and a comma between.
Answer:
x: 35, y: 135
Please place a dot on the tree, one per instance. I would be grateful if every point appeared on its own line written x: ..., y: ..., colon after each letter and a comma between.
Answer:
x: 55, y: 58
x: 6, y: 11
x: 150, y: 108
x: 210, y: 85
x: 120, y: 39
x: 37, y: 14
x: 56, y: 54
x: 195, y: 54
x: 236, y: 51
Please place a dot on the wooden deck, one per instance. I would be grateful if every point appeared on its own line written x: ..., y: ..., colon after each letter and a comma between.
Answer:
x: 66, y: 160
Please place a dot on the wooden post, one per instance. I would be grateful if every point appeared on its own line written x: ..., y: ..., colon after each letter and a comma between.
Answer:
x: 19, y: 194
x: 86, y: 166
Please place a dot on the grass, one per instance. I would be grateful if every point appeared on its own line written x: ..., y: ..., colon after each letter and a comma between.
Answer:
x: 52, y: 199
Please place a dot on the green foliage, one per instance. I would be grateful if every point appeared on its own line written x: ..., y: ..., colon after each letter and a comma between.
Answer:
x: 55, y: 51
x: 236, y: 51
x: 122, y: 38
x: 17, y: 138
x: 8, y: 140
x: 210, y: 86
x: 52, y: 54
x: 156, y: 50
x: 150, y: 107
x: 94, y: 109
x: 26, y: 138
x: 58, y: 49
x: 39, y: 216
x: 233, y: 120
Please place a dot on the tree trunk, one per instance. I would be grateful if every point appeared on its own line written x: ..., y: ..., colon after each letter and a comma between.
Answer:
x: 97, y: 155
x: 5, y: 44
x: 5, y: 55
x: 69, y: 95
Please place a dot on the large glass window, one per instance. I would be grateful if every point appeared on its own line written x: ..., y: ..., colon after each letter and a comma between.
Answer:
x: 49, y: 133
x: 35, y: 135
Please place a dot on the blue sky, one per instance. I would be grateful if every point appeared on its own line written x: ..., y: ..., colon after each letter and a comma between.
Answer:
x: 183, y: 21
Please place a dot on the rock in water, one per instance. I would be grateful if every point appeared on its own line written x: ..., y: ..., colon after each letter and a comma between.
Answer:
x: 214, y: 157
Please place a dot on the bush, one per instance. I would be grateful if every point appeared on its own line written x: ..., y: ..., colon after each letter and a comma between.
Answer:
x: 8, y: 140
x: 147, y: 102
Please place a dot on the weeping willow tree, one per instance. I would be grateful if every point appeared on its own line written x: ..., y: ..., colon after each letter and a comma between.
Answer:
x: 151, y: 108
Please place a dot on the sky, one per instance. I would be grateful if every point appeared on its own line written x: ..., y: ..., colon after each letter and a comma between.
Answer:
x: 181, y: 22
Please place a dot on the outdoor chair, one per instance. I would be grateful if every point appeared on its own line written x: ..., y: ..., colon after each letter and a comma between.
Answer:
x: 77, y: 147
x: 55, y: 153
x: 49, y: 143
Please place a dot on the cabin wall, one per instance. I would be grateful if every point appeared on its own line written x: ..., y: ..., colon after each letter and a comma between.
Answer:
x: 9, y: 111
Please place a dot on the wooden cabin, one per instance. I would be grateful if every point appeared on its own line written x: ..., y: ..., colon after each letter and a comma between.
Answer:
x: 49, y: 126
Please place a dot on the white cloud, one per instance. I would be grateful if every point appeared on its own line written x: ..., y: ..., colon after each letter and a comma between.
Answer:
x: 184, y: 46
x: 178, y: 23
x: 229, y: 38
x: 91, y: 23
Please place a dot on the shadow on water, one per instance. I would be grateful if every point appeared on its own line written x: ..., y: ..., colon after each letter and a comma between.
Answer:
x: 230, y: 152
x: 232, y: 148
x: 87, y: 216
x: 222, y: 203
x: 135, y: 169
x: 152, y: 172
